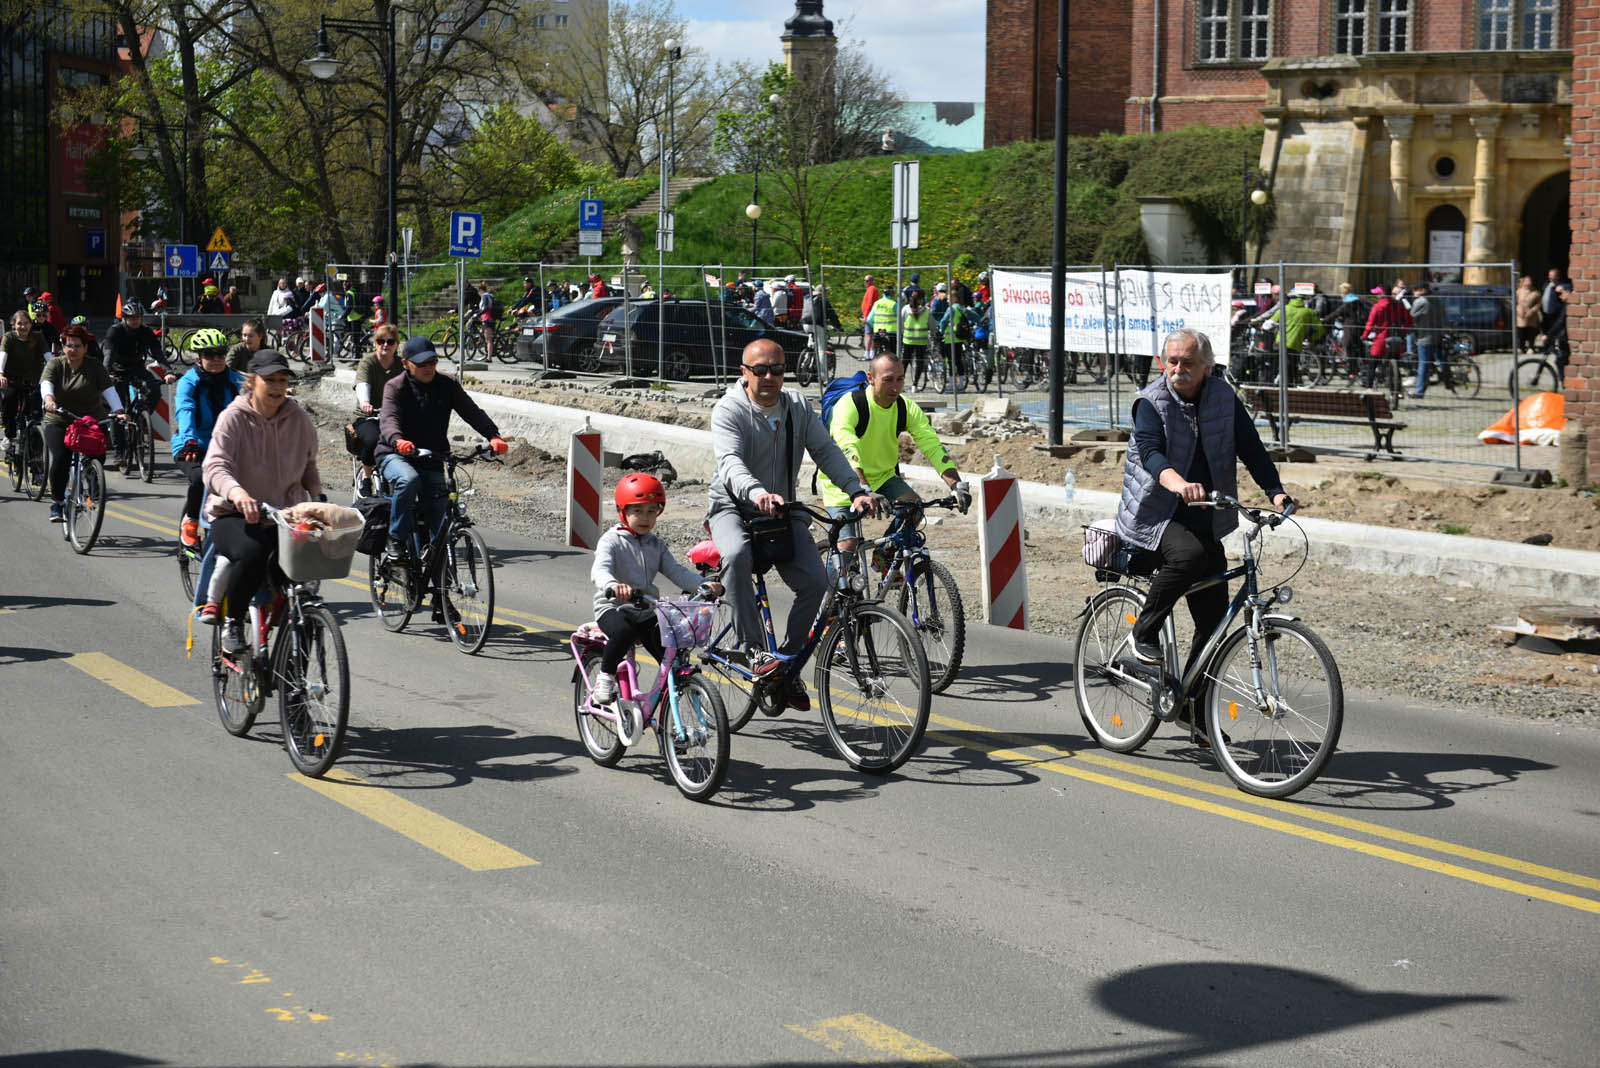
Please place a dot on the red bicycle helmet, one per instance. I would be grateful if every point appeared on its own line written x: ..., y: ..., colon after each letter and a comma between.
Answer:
x: 640, y: 488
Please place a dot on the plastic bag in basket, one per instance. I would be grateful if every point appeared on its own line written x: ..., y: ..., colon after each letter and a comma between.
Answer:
x: 685, y: 624
x: 1100, y: 543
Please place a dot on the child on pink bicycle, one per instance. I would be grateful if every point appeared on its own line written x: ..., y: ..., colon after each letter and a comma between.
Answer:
x: 627, y: 559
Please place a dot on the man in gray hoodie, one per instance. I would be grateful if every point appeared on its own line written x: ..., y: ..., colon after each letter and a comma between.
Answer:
x: 760, y: 432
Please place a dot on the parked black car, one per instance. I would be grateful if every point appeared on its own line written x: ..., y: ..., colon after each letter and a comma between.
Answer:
x: 1485, y: 312
x: 571, y: 329
x: 701, y: 339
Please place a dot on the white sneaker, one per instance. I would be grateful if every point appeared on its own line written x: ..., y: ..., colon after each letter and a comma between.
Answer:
x: 605, y: 689
x: 232, y: 637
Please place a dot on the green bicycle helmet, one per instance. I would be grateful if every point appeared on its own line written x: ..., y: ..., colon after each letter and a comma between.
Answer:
x: 207, y: 337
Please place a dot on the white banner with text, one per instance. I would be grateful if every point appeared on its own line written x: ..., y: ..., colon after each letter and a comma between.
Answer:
x: 1145, y: 306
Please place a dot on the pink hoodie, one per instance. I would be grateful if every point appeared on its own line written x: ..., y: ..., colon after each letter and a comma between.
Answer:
x: 275, y: 460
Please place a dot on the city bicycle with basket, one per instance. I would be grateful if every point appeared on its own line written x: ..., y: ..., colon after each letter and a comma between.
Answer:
x: 920, y: 587
x: 871, y: 675
x: 690, y: 721
x: 454, y: 563
x: 83, y: 508
x: 294, y: 648
x: 1269, y: 697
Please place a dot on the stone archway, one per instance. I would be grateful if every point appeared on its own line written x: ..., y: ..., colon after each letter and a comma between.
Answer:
x: 1546, y: 233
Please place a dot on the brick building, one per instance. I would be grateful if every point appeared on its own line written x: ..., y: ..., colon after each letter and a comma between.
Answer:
x: 1583, y: 374
x: 1212, y: 51
x: 1099, y: 66
x: 1020, y: 71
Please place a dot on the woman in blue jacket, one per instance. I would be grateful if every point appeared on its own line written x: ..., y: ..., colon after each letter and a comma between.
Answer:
x: 201, y: 396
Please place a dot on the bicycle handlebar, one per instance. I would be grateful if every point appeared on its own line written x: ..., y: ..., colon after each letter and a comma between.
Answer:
x: 478, y: 453
x: 1260, y: 517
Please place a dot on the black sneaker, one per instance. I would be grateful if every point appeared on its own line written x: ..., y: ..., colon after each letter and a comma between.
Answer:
x: 398, y: 549
x: 56, y: 514
x: 1146, y: 651
x: 795, y: 695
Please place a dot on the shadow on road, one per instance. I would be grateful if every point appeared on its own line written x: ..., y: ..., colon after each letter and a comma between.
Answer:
x: 22, y: 601
x: 1014, y: 684
x: 436, y: 758
x: 1413, y: 781
x: 27, y: 654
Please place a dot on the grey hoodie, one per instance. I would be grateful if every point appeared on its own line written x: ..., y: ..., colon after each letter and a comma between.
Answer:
x: 750, y: 450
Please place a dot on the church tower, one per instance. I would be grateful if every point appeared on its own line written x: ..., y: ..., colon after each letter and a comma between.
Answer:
x: 809, y: 46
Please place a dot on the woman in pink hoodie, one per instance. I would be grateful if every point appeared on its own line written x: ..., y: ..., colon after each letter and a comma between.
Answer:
x: 263, y: 449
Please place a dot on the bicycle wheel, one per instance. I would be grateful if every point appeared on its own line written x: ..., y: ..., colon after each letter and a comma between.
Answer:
x: 188, y: 568
x: 937, y: 378
x: 1114, y: 704
x: 805, y: 369
x: 313, y: 690
x: 1533, y: 376
x: 466, y: 582
x: 599, y: 735
x: 86, y: 505
x: 147, y: 442
x: 444, y: 341
x: 392, y: 586
x: 1466, y: 378
x: 132, y: 451
x: 694, y: 743
x: 872, y: 687
x: 736, y: 691
x: 38, y: 465
x: 1274, y: 741
x: 235, y: 687
x: 932, y: 602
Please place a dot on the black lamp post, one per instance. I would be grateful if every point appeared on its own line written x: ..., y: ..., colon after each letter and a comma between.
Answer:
x: 753, y: 209
x: 381, y: 36
x: 1255, y: 192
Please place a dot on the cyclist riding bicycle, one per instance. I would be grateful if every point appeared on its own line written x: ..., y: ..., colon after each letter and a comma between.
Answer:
x: 130, y: 349
x: 626, y: 560
x: 375, y: 371
x: 200, y: 399
x: 532, y: 300
x: 416, y: 415
x: 78, y: 384
x: 22, y: 360
x: 263, y: 449
x: 1190, y: 431
x: 760, y: 432
x: 866, y: 424
x: 39, y: 313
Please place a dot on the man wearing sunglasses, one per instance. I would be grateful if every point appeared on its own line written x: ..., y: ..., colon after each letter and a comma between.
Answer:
x: 760, y: 433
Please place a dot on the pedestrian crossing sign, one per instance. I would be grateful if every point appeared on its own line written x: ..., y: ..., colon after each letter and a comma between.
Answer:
x: 221, y: 261
x: 219, y: 242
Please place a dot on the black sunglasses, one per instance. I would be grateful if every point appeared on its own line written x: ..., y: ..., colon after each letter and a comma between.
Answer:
x: 213, y: 354
x: 386, y: 341
x: 762, y: 370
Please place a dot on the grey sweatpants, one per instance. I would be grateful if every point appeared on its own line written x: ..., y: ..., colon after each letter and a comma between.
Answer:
x: 805, y: 575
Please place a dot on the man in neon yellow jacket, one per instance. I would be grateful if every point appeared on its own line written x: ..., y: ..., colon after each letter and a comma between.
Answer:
x: 867, y: 423
x: 1304, y: 327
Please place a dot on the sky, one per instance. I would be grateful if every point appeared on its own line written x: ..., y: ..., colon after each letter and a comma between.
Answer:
x: 936, y: 55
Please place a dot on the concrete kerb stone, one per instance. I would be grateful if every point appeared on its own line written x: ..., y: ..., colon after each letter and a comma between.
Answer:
x: 1542, y: 571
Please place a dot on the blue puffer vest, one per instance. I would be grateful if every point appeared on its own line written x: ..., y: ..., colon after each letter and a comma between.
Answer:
x: 1146, y: 506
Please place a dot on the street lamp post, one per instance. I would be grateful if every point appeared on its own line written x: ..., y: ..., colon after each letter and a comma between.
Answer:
x: 752, y: 210
x: 1255, y: 192
x: 664, y: 149
x: 381, y: 36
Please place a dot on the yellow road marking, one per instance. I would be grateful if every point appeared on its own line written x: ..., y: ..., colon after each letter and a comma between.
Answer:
x: 8, y: 611
x: 468, y: 848
x: 1286, y: 807
x: 136, y: 684
x: 123, y: 512
x: 862, y: 1039
x: 1438, y: 867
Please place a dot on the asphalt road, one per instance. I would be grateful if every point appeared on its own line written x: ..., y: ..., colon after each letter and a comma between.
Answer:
x: 468, y: 888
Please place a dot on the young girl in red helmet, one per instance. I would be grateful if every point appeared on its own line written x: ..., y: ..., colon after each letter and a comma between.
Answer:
x: 628, y: 558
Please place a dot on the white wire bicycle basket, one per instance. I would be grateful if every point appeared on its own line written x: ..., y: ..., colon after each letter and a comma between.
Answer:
x: 686, y: 624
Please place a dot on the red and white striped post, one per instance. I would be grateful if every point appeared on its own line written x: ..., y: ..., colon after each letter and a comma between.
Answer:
x: 585, y: 478
x: 319, y: 334
x: 1005, y: 569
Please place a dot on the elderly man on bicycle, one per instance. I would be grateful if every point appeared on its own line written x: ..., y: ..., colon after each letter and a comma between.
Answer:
x: 759, y: 434
x: 1190, y: 431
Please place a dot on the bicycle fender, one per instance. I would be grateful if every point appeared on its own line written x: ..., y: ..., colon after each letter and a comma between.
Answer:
x: 1281, y: 616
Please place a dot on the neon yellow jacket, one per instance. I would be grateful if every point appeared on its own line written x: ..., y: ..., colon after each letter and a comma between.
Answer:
x: 883, y: 315
x: 875, y: 449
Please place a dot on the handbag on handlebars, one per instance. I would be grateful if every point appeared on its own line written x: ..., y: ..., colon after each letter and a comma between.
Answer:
x: 772, y: 537
x: 84, y: 435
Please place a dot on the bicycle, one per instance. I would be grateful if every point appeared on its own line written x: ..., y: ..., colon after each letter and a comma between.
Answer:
x: 455, y: 563
x: 807, y: 369
x: 305, y: 665
x: 869, y: 650
x: 138, y: 449
x: 84, y: 507
x: 1269, y: 689
x: 446, y: 339
x: 688, y: 716
x: 26, y: 455
x: 921, y: 588
x: 1535, y: 374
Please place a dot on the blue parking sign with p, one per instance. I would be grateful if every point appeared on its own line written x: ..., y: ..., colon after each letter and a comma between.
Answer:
x: 466, y: 233
x: 590, y: 215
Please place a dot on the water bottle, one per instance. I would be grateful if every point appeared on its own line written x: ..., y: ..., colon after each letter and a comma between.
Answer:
x: 1069, y: 485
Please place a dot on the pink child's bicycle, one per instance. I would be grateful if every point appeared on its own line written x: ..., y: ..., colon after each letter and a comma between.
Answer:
x: 690, y: 722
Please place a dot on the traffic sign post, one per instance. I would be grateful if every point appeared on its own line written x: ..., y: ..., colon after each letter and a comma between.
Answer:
x: 220, y: 261
x: 94, y: 244
x: 219, y: 242
x: 466, y: 234
x: 591, y: 215
x: 664, y: 226
x: 903, y: 232
x: 182, y: 261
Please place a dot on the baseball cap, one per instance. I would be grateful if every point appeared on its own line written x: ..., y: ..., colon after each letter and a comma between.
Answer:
x: 268, y: 362
x: 1377, y: 291
x: 420, y: 350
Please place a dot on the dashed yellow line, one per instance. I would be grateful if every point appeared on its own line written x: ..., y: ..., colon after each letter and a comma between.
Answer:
x: 136, y: 684
x: 465, y: 846
x: 862, y: 1039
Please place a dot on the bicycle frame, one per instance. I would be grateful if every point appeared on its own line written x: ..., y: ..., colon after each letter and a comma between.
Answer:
x: 675, y: 665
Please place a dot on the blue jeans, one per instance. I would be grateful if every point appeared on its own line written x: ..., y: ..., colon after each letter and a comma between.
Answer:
x: 1424, y: 357
x: 406, y: 482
